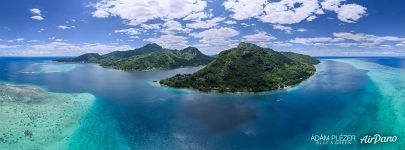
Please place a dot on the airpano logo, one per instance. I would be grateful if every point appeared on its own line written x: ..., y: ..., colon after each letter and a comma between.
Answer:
x: 377, y: 138
x: 332, y: 139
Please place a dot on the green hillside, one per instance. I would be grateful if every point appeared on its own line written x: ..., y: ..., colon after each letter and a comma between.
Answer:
x: 248, y: 68
x: 148, y: 57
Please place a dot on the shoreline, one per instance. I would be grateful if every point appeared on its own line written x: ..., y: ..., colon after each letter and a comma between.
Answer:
x: 285, y: 89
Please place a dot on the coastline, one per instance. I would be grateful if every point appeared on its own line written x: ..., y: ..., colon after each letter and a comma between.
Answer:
x: 280, y: 90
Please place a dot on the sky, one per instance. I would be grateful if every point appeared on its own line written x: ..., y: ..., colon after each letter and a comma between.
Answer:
x: 313, y: 27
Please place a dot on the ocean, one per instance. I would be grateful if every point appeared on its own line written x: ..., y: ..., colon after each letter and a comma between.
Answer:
x: 53, y: 105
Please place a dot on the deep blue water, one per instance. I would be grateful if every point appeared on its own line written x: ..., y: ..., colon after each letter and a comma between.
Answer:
x: 150, y: 116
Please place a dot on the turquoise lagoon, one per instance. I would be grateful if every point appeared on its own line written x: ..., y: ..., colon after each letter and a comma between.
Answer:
x: 49, y: 105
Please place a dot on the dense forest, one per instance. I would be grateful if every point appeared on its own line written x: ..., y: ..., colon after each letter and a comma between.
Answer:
x: 248, y: 68
x: 149, y: 57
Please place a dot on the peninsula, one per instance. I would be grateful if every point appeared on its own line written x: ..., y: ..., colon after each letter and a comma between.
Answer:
x: 148, y: 57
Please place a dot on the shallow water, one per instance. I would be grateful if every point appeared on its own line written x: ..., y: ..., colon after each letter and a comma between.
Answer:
x: 34, y: 118
x: 131, y: 112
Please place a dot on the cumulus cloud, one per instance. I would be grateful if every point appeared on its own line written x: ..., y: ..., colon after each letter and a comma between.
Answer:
x: 244, y: 9
x: 170, y: 41
x: 36, y: 14
x: 292, y: 11
x: 217, y: 36
x: 215, y: 40
x: 331, y: 5
x: 289, y: 11
x: 135, y: 12
x: 174, y: 27
x: 205, y: 24
x: 350, y: 13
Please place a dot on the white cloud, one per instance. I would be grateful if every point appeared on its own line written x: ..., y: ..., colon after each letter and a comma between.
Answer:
x: 62, y: 49
x: 292, y: 11
x: 205, y: 24
x: 19, y: 39
x: 170, y: 41
x: 367, y: 38
x: 401, y: 44
x: 197, y: 16
x: 385, y: 46
x: 312, y: 41
x: 129, y: 31
x: 8, y: 46
x: 310, y: 18
x: 280, y: 44
x: 37, y: 18
x: 65, y: 27
x: 37, y: 14
x: 286, y: 11
x: 151, y: 26
x: 331, y: 5
x: 135, y: 12
x: 350, y: 13
x: 346, y: 39
x: 244, y: 9
x: 286, y: 29
x: 230, y: 22
x: 259, y: 37
x: 35, y: 11
x: 217, y: 36
x: 60, y: 40
x: 41, y: 30
x: 174, y: 27
x: 247, y: 25
x: 32, y: 41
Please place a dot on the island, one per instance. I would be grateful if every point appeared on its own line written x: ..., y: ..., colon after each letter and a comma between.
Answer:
x: 248, y: 68
x: 149, y: 57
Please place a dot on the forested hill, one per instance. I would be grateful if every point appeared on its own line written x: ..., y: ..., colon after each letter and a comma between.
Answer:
x: 248, y: 68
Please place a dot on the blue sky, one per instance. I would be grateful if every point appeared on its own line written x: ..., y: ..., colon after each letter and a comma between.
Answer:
x: 314, y: 27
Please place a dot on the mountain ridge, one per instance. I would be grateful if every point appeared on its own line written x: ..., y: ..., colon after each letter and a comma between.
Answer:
x: 149, y: 57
